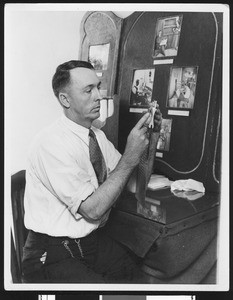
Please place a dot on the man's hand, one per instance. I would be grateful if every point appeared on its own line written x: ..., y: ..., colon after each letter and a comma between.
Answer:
x: 137, y: 141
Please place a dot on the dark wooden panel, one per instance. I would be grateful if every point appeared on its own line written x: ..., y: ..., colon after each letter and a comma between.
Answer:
x: 194, y: 137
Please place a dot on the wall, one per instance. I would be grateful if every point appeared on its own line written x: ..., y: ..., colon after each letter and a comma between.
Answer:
x: 36, y: 42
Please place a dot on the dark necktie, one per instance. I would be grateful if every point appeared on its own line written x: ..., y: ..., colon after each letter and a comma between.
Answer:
x: 97, y: 158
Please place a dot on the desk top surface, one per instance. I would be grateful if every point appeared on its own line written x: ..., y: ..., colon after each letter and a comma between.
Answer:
x: 164, y: 207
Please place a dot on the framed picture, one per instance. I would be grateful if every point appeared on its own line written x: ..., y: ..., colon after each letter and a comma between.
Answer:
x: 182, y: 87
x: 165, y: 135
x: 142, y: 87
x: 167, y: 36
x: 98, y: 56
x: 151, y: 210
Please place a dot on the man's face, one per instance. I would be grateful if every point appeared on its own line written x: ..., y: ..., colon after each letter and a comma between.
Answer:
x: 84, y: 96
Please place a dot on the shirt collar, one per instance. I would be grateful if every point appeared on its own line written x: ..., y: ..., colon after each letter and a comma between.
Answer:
x: 79, y: 130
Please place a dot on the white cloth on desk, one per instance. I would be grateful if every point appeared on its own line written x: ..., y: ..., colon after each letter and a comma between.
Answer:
x: 188, y: 185
x: 59, y: 176
x: 158, y: 181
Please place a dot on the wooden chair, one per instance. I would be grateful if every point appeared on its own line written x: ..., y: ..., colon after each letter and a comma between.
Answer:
x: 20, y: 232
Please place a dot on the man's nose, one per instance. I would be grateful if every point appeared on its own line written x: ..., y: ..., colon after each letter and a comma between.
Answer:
x: 98, y: 95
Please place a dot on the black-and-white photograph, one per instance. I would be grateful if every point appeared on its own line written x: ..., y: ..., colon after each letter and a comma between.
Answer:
x: 167, y: 36
x: 182, y: 87
x: 151, y: 210
x: 72, y: 218
x: 142, y: 87
x: 98, y: 56
x: 165, y: 135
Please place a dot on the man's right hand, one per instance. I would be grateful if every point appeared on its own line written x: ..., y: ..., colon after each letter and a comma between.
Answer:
x: 137, y: 141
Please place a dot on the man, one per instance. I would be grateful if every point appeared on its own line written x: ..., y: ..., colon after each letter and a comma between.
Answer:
x: 160, y: 44
x: 66, y: 206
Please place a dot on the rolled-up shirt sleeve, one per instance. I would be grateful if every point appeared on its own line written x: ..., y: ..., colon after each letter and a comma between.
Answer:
x: 63, y: 175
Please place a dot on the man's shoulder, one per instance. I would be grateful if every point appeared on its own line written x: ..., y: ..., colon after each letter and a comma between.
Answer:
x: 47, y: 136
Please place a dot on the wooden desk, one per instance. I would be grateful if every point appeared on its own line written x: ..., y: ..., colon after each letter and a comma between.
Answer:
x: 175, y: 237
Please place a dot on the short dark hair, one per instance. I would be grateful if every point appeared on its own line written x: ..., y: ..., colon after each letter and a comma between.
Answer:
x: 61, y: 78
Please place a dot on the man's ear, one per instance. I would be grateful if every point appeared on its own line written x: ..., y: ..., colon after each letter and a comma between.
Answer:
x: 64, y: 100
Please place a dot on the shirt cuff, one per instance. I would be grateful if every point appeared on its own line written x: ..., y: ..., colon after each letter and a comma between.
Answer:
x: 79, y: 197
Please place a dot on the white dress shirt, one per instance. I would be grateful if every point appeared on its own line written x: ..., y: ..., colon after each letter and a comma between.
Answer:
x: 59, y: 176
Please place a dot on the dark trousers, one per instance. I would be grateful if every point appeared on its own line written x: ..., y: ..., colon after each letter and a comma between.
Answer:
x: 93, y: 259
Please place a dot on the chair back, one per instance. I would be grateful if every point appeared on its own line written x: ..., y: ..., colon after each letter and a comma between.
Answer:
x: 20, y: 232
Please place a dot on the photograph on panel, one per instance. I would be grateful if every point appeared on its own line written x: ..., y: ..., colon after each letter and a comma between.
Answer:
x: 98, y: 56
x: 142, y: 87
x: 182, y: 87
x: 150, y: 208
x: 165, y: 135
x: 167, y: 36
